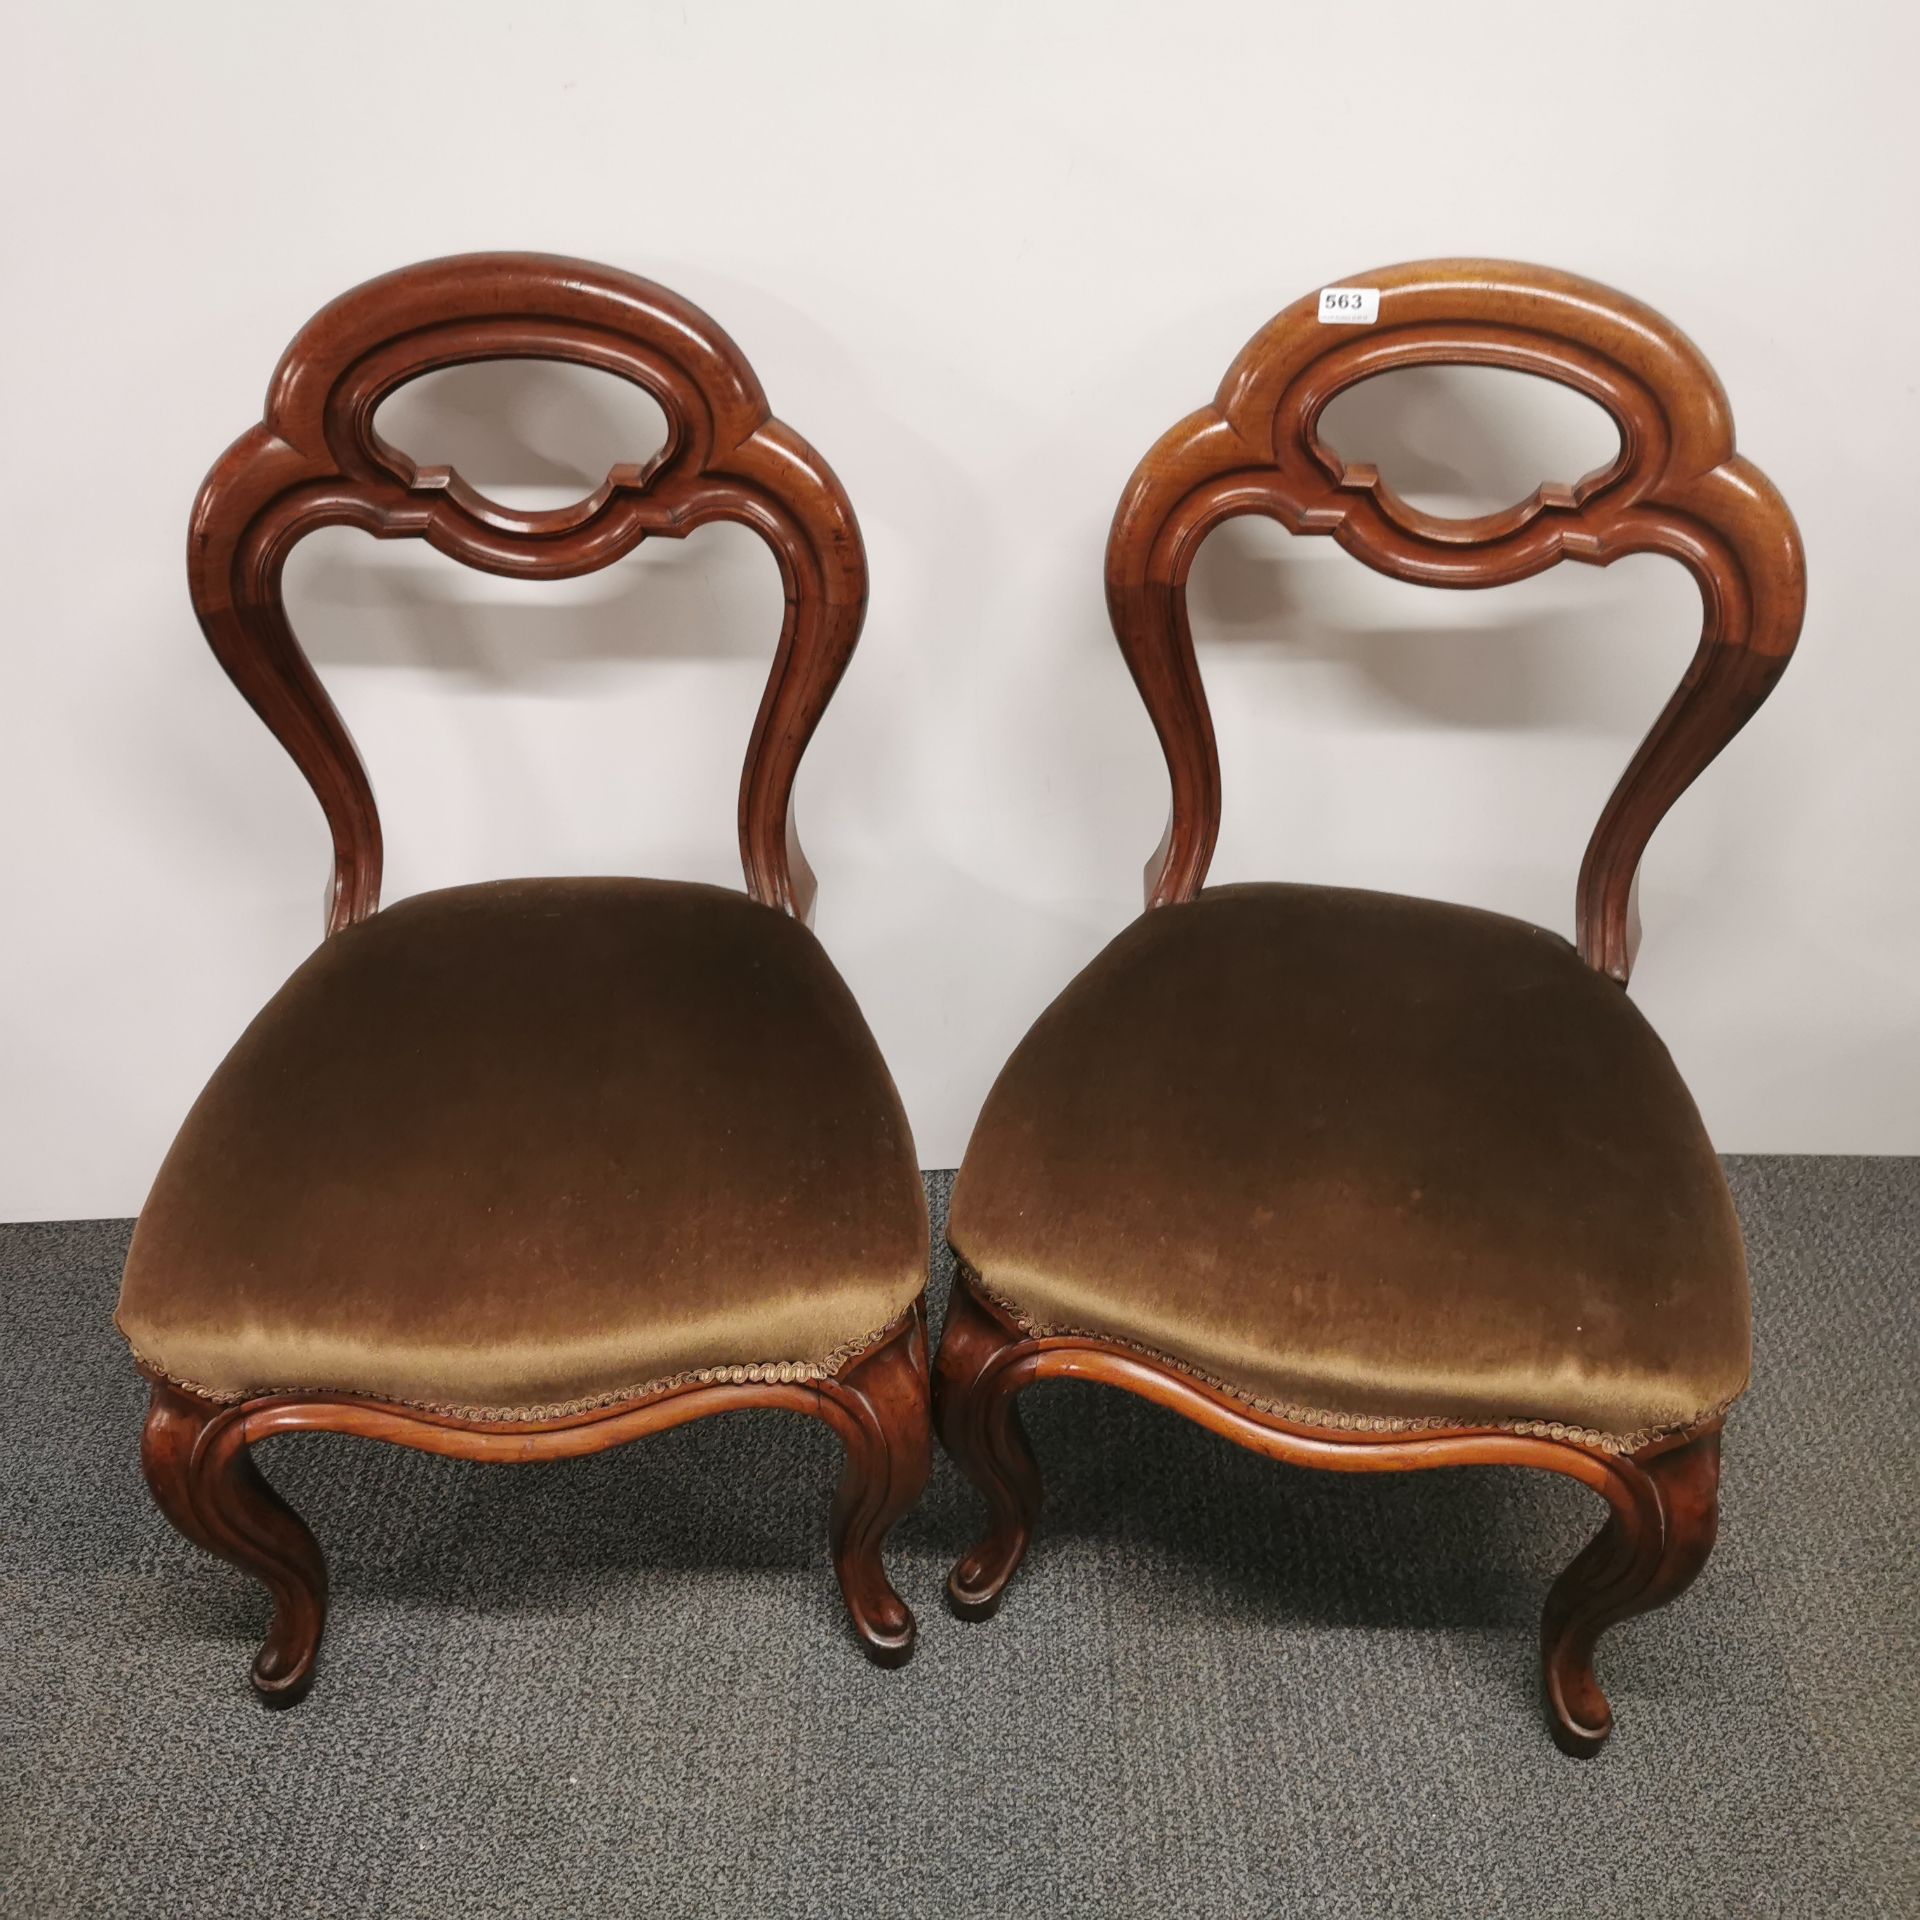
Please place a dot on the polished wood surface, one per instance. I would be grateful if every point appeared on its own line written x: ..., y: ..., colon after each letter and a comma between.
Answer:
x: 197, y: 1458
x: 1678, y: 488
x: 315, y: 460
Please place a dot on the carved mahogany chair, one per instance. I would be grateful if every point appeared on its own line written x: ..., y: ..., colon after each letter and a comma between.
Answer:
x: 1372, y: 1183
x: 525, y: 1170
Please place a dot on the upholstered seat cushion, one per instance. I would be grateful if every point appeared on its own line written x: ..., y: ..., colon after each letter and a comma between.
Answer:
x: 1368, y: 1161
x: 517, y: 1148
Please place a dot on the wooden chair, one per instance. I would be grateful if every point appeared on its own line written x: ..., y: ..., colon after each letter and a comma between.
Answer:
x: 526, y: 1170
x: 1373, y: 1183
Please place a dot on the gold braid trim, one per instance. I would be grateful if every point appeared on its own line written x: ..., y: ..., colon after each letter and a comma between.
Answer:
x: 758, y: 1372
x: 1302, y: 1416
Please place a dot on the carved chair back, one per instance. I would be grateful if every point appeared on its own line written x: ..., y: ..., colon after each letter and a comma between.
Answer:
x: 316, y: 460
x: 1676, y: 487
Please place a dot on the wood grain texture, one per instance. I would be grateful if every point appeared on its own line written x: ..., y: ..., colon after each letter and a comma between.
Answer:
x: 1658, y: 1534
x: 1677, y: 487
x: 315, y: 460
x: 197, y: 1458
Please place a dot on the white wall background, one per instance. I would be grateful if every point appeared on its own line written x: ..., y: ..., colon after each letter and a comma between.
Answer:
x: 982, y: 256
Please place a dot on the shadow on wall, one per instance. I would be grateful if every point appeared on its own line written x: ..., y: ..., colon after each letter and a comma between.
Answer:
x: 1453, y: 440
x: 1371, y: 732
x: 692, y: 599
x: 1524, y: 658
x: 600, y: 723
x: 595, y: 724
x: 531, y: 434
x: 1469, y: 440
x: 1457, y: 442
x: 659, y: 660
x: 1374, y: 733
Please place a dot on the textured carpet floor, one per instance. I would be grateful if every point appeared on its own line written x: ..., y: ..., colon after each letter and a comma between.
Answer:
x: 1222, y: 1687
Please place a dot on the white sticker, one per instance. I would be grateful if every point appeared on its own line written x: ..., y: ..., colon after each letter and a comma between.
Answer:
x: 1349, y: 306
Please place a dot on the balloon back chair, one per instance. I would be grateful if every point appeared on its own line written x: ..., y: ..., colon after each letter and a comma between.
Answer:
x: 1373, y: 1183
x: 524, y: 1170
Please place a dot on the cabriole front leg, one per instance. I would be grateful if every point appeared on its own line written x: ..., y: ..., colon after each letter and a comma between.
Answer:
x: 976, y: 1379
x: 880, y: 1406
x: 197, y: 1464
x: 1648, y: 1553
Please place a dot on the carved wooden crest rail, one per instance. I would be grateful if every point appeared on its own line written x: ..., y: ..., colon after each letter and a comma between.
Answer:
x: 315, y: 460
x: 1677, y: 487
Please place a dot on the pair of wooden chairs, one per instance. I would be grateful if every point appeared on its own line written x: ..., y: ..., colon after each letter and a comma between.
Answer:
x: 525, y: 1170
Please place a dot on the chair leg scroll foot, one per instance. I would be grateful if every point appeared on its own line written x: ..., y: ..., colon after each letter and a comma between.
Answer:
x: 882, y: 1404
x: 979, y: 1425
x: 1647, y: 1554
x: 196, y: 1460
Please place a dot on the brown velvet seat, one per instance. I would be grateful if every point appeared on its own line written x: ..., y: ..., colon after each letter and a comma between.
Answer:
x: 512, y: 1150
x: 1369, y: 1162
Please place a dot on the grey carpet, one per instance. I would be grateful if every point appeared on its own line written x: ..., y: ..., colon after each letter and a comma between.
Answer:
x: 1218, y: 1686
